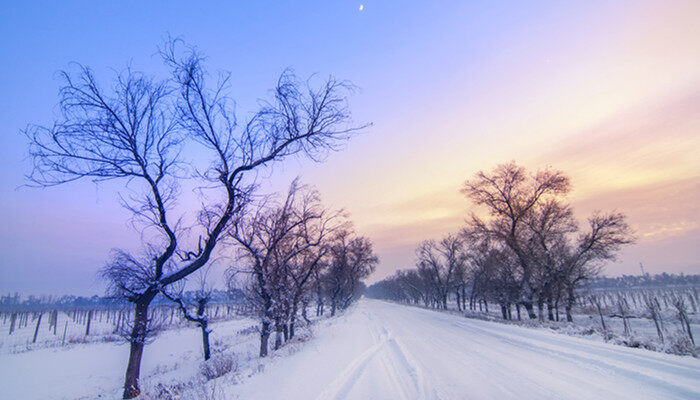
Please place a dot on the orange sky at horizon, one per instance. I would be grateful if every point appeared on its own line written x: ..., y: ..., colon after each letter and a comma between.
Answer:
x: 619, y: 114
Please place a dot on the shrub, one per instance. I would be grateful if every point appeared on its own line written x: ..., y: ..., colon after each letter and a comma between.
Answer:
x: 680, y: 344
x: 218, y: 365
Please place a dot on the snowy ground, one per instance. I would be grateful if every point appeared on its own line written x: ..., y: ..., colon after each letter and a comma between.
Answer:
x: 388, y: 351
x: 376, y: 350
x: 96, y: 370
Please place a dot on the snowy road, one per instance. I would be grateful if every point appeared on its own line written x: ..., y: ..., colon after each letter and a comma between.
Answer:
x: 387, y: 351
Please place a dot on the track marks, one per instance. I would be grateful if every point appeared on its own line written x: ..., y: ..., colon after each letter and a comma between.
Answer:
x: 386, y: 366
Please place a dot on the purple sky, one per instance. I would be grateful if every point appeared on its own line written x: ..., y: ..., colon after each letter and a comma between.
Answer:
x: 609, y: 92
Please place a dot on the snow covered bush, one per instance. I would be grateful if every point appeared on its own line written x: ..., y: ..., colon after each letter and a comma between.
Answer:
x: 218, y: 365
x: 184, y: 391
x: 680, y: 344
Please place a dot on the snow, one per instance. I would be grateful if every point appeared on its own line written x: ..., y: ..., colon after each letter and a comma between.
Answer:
x: 383, y: 350
x: 376, y: 350
x: 96, y: 370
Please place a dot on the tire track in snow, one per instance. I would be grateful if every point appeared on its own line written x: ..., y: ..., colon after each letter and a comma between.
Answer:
x: 340, y: 386
x: 398, y: 368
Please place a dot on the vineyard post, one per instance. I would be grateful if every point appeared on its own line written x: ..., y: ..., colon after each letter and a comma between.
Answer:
x: 87, y: 325
x: 36, y: 330
x: 65, y: 329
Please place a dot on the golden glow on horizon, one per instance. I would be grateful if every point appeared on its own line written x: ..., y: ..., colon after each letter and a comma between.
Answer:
x: 614, y: 105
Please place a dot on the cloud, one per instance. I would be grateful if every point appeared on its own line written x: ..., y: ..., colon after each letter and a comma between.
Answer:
x: 650, y: 144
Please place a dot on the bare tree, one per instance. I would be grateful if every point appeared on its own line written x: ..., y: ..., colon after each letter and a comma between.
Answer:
x: 352, y: 259
x: 528, y: 249
x: 202, y: 296
x: 652, y: 305
x: 606, y: 235
x: 280, y: 247
x: 137, y: 132
x: 440, y: 262
x: 509, y: 194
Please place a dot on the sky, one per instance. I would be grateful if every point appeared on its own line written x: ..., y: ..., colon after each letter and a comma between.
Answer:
x: 608, y: 92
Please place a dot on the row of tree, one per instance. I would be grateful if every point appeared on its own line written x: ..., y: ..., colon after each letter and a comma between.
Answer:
x: 291, y: 251
x: 524, y: 249
x: 156, y: 136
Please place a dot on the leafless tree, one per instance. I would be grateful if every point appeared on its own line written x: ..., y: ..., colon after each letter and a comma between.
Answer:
x: 202, y: 296
x: 509, y: 195
x: 280, y: 248
x: 352, y: 259
x: 606, y: 235
x: 528, y: 249
x: 652, y: 305
x: 138, y: 131
x: 440, y: 262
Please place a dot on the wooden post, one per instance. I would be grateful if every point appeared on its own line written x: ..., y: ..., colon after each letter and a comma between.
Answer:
x: 13, y: 319
x: 55, y: 321
x: 36, y: 330
x: 65, y: 328
x: 119, y: 320
x: 87, y: 325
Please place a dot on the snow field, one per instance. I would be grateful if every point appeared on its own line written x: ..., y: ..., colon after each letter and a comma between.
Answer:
x: 375, y: 350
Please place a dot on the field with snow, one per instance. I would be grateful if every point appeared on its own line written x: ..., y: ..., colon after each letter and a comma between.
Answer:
x: 376, y: 350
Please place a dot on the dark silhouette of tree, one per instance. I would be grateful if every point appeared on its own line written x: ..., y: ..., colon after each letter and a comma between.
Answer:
x: 509, y: 194
x: 139, y: 130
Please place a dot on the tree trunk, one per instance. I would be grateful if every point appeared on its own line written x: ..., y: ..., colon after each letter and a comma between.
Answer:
x: 602, y: 320
x: 264, y: 336
x: 684, y: 320
x: 137, y: 340
x: 205, y: 339
x: 550, y: 310
x: 570, y: 305
x: 303, y: 313
x: 278, y: 334
x: 293, y: 320
x: 659, y: 332
x: 530, y: 309
x: 504, y: 311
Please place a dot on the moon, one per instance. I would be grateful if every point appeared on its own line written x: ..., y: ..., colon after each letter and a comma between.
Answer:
x: 362, y: 7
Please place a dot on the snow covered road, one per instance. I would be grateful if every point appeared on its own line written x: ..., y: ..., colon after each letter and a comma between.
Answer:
x: 381, y: 350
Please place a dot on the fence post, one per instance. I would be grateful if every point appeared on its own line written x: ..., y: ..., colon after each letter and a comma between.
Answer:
x: 87, y: 326
x: 65, y: 328
x: 13, y: 319
x: 36, y: 330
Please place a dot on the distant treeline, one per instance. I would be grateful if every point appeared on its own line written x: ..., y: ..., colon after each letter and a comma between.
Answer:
x: 646, y: 280
x: 17, y: 302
